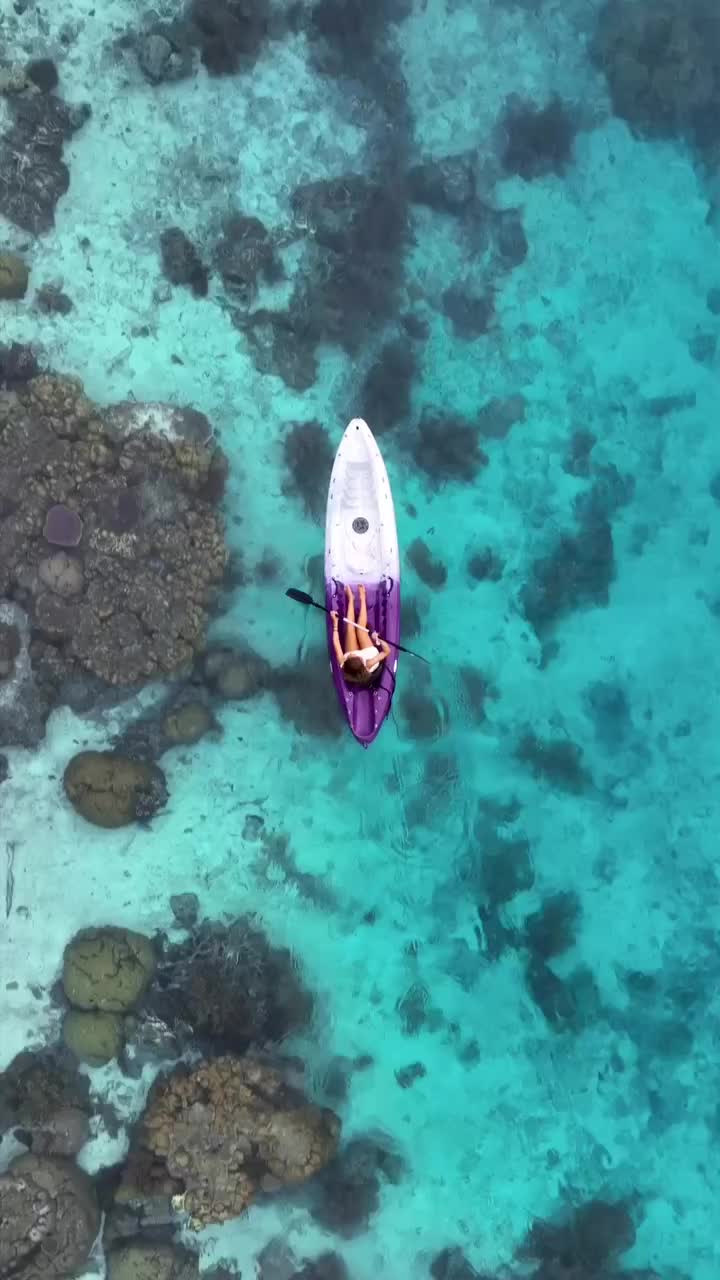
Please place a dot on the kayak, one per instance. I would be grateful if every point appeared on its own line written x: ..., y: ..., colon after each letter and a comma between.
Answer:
x: 361, y: 545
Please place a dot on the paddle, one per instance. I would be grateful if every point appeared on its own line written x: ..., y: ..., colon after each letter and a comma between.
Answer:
x: 302, y: 597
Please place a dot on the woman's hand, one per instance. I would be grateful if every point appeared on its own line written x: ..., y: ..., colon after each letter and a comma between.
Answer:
x: 375, y: 637
x: 334, y: 616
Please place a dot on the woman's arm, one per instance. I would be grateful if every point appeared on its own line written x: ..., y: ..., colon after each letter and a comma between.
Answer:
x: 382, y: 645
x: 336, y: 638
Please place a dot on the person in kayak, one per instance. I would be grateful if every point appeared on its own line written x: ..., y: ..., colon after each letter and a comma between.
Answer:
x: 363, y: 653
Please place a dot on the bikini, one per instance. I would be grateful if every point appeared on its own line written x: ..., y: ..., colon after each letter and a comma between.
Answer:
x: 364, y: 654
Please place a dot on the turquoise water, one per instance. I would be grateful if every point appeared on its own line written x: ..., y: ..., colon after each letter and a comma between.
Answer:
x: 505, y: 909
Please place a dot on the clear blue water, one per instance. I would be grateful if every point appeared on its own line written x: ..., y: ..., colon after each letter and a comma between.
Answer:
x: 491, y: 229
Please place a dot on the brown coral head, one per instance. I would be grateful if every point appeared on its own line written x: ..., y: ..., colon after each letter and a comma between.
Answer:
x: 63, y: 526
x: 230, y: 1128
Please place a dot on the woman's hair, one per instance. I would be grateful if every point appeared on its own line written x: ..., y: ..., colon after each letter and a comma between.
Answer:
x: 355, y: 671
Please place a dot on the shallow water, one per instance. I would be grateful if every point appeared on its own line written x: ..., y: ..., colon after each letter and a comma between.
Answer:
x: 547, y: 416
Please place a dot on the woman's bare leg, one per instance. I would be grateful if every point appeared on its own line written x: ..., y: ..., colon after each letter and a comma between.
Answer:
x: 363, y: 639
x: 351, y: 635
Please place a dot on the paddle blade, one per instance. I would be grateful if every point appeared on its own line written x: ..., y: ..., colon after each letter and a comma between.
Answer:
x: 302, y: 597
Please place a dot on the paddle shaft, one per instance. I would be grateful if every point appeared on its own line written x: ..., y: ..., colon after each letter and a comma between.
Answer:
x: 354, y: 624
x: 357, y: 627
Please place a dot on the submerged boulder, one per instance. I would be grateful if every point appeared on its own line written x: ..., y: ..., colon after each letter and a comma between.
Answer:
x: 187, y: 723
x: 147, y: 1260
x: 14, y: 276
x: 236, y: 675
x: 185, y: 908
x: 49, y: 1216
x: 107, y: 969
x: 43, y: 1094
x: 111, y: 790
x: 94, y: 1038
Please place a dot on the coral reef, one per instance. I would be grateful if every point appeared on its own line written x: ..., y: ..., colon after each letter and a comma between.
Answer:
x: 350, y: 283
x: 18, y: 364
x: 576, y: 572
x: 43, y: 73
x: 470, y: 314
x: 388, y: 385
x: 485, y: 565
x: 349, y: 37
x: 34, y: 175
x: 446, y: 185
x: 586, y: 1244
x: 511, y: 241
x: 229, y: 33
x: 568, y: 1004
x: 244, y: 256
x: 355, y: 229
x: 577, y: 461
x: 229, y: 988
x: 10, y: 646
x: 451, y: 1264
x: 147, y: 1260
x: 129, y: 492
x: 144, y: 1260
x: 326, y: 1266
x: 428, y: 568
x: 662, y: 63
x: 347, y: 1192
x: 164, y: 51
x: 181, y: 262
x: 475, y: 689
x: 51, y: 299
x: 506, y: 868
x: 500, y: 414
x: 608, y: 706
x: 539, y: 140
x: 306, y: 697
x: 227, y: 1130
x: 553, y: 928
x: 147, y: 1040
x: 424, y: 718
x: 447, y: 448
x: 555, y: 760
x: 308, y: 457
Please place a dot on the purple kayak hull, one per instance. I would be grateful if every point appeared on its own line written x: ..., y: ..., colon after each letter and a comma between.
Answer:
x: 366, y: 709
